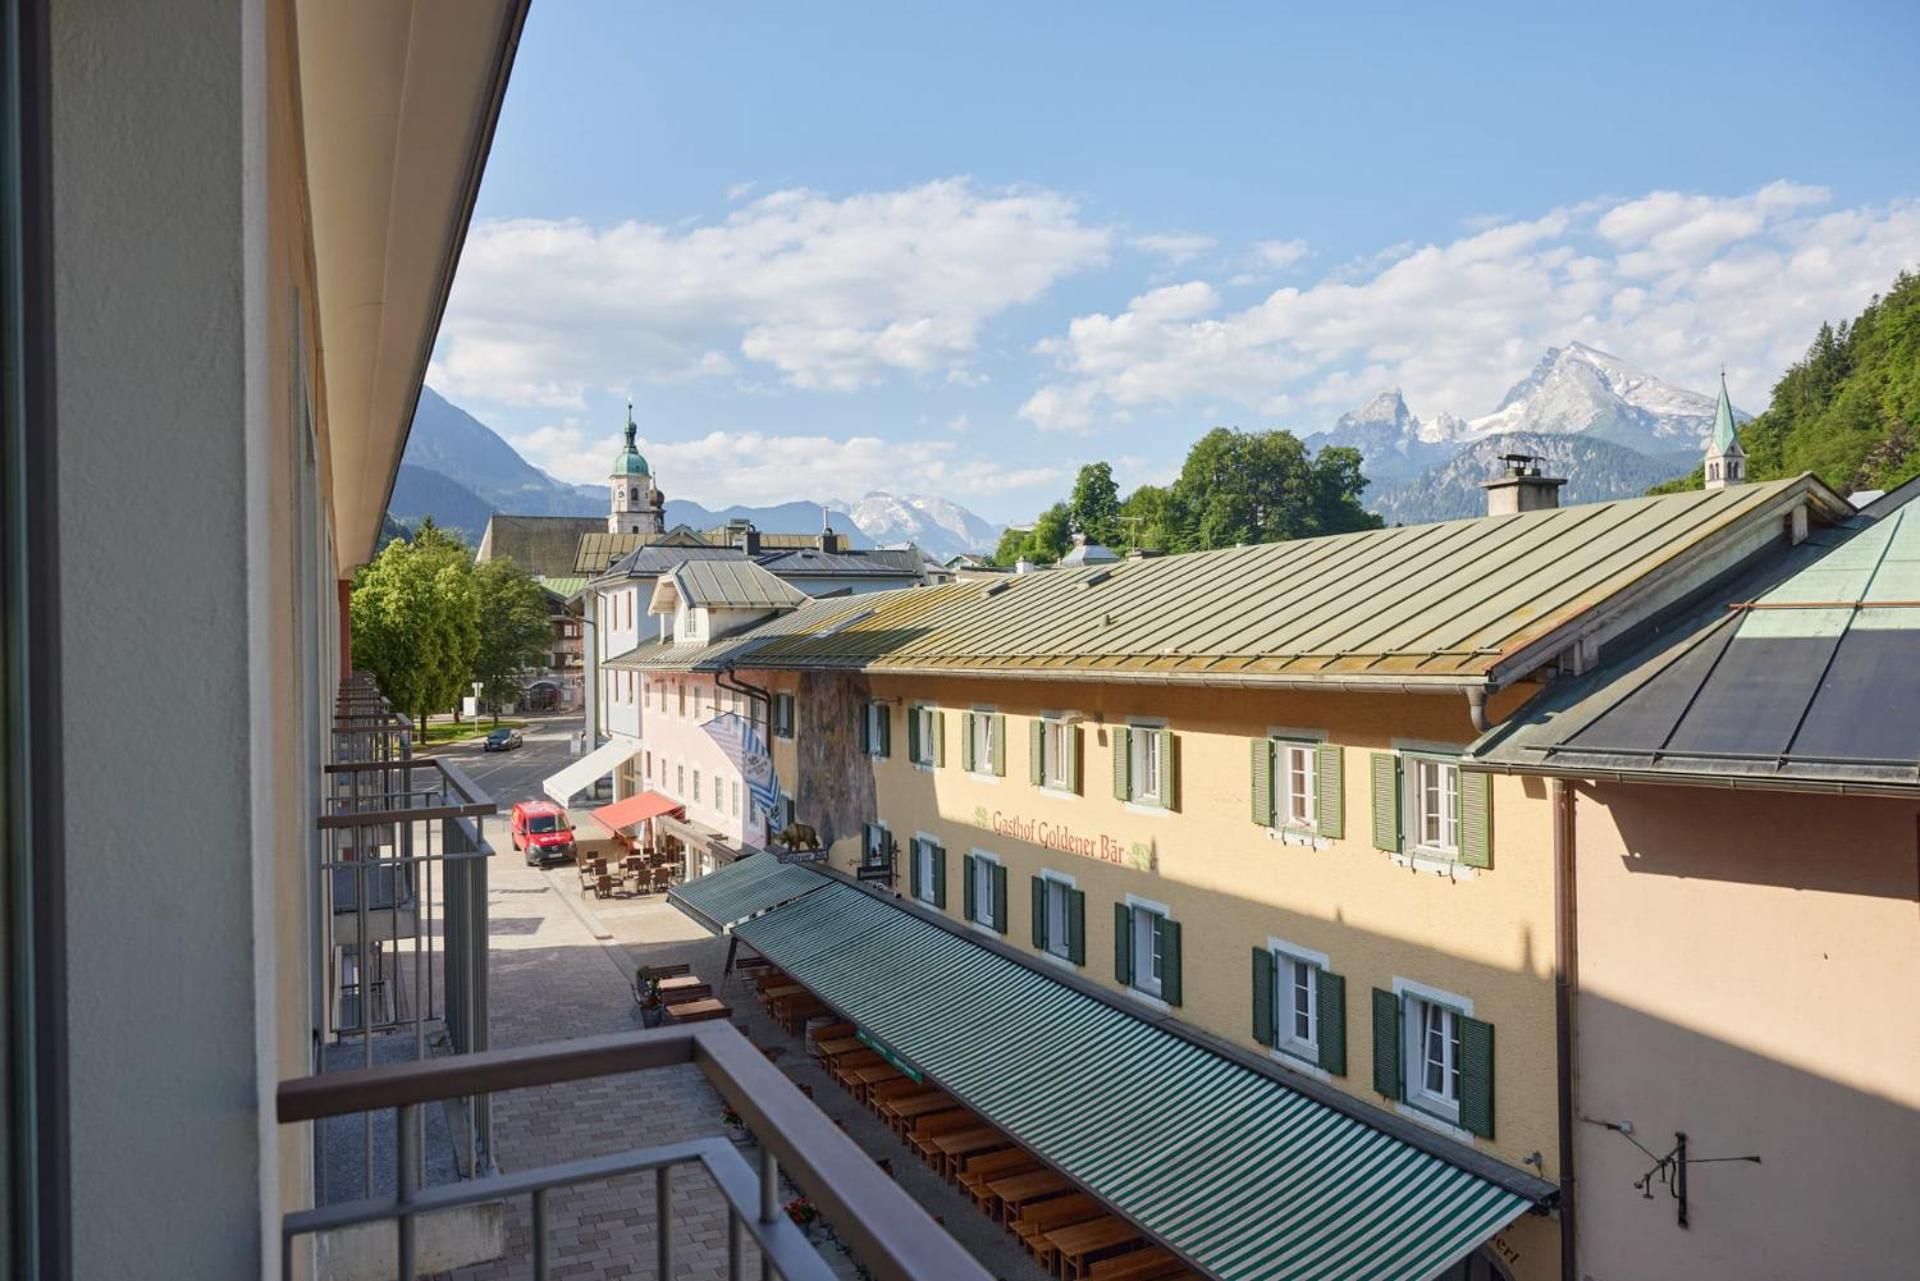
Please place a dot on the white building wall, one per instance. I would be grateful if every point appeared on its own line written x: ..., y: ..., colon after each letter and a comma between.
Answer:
x: 675, y: 746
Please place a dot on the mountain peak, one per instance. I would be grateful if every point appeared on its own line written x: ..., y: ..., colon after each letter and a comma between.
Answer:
x: 1579, y: 388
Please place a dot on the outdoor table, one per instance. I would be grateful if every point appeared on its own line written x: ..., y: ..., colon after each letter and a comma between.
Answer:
x: 794, y: 1011
x: 842, y: 1068
x: 903, y: 1112
x: 1069, y: 1251
x: 956, y: 1147
x: 1010, y: 1193
x: 840, y: 1045
x: 1038, y: 1218
x: 684, y: 988
x: 699, y: 1011
x: 763, y: 982
x: 1150, y: 1264
x: 671, y: 970
x: 864, y: 1079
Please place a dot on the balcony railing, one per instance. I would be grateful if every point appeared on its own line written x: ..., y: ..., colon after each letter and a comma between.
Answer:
x: 887, y: 1232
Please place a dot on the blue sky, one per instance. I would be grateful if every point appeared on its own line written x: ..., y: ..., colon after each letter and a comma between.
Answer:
x: 963, y: 249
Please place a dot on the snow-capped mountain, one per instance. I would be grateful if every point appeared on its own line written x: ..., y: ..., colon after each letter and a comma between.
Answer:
x: 940, y: 526
x: 1597, y: 470
x: 1580, y: 389
x: 1394, y: 443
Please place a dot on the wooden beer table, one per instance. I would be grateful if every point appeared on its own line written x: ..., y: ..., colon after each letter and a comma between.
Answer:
x: 1068, y: 1252
x: 1010, y: 1193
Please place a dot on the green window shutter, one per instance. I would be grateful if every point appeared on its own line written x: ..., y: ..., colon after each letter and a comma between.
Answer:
x: 913, y: 874
x: 1169, y: 960
x: 913, y: 735
x: 1039, y: 913
x: 1071, y: 742
x: 1122, y: 763
x: 1123, y: 943
x: 966, y: 887
x: 1476, y: 822
x: 1036, y: 750
x: 1077, y: 927
x: 1264, y: 1030
x: 939, y: 738
x: 1476, y: 1077
x: 1260, y: 784
x: 1386, y: 802
x: 1330, y: 778
x: 966, y: 740
x: 1330, y: 994
x: 997, y: 743
x: 1169, y: 770
x: 1000, y: 897
x: 940, y: 877
x: 1386, y: 1043
x: 866, y: 729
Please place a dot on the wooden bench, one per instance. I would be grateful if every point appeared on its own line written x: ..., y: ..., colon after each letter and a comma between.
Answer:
x: 1037, y: 1218
x: 901, y: 1114
x: 862, y: 1080
x: 1150, y: 1264
x: 1011, y: 1194
x: 682, y: 988
x: 674, y: 969
x: 930, y: 1127
x: 955, y: 1148
x: 983, y: 1168
x: 832, y: 1032
x: 843, y: 1065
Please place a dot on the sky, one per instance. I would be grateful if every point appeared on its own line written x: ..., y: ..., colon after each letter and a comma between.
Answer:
x: 963, y: 249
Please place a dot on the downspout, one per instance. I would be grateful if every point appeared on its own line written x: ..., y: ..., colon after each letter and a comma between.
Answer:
x: 1477, y: 707
x: 1566, y: 982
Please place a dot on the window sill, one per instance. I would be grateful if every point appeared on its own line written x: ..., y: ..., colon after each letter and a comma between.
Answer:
x: 1147, y: 807
x: 1433, y: 1121
x: 1301, y: 1064
x: 986, y: 929
x: 978, y: 777
x: 1065, y: 963
x: 1447, y: 865
x: 925, y: 767
x: 1302, y: 837
x: 1059, y: 791
x: 1149, y: 999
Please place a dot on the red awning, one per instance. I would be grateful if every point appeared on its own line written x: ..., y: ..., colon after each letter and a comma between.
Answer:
x: 636, y: 809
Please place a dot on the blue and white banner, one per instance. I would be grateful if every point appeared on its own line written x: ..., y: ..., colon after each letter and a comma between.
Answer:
x: 748, y: 751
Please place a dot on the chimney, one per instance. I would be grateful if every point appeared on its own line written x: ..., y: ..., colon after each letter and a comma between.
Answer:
x: 1023, y: 566
x: 749, y: 539
x: 1521, y: 488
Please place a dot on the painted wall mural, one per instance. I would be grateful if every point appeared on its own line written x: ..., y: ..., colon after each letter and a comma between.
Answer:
x: 835, y: 790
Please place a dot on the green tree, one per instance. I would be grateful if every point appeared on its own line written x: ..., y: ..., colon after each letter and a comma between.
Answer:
x: 1146, y: 519
x: 416, y: 621
x: 1043, y: 542
x: 1095, y: 504
x: 515, y: 629
x: 1261, y: 487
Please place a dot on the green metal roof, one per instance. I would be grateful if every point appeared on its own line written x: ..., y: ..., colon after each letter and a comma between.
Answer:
x: 1465, y: 602
x: 722, y: 899
x: 629, y: 462
x: 1247, y: 1178
x: 1726, y: 438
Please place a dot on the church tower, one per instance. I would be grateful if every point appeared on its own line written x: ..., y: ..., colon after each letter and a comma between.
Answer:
x: 638, y: 505
x: 1726, y: 459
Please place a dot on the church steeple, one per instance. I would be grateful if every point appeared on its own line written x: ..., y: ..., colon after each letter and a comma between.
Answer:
x: 1726, y: 457
x: 638, y: 505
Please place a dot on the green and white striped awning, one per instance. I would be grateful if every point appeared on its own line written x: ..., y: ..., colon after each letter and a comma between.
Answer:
x: 745, y: 888
x: 1247, y: 1178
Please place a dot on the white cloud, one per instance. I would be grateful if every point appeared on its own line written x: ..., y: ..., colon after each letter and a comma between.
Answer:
x: 753, y: 467
x: 1176, y: 247
x: 1280, y: 254
x: 1674, y: 283
x: 826, y: 293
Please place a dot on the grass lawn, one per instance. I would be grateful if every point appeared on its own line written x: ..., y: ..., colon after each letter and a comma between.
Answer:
x: 448, y: 732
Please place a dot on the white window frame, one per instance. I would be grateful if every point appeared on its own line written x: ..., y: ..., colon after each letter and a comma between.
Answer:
x: 983, y: 903
x: 876, y: 714
x: 1414, y: 802
x: 1145, y: 982
x: 1287, y: 959
x: 923, y: 869
x: 1143, y: 745
x: 1284, y: 748
x: 1054, y: 728
x: 980, y: 726
x: 1416, y: 999
x: 867, y: 851
x: 927, y: 716
x: 1059, y: 886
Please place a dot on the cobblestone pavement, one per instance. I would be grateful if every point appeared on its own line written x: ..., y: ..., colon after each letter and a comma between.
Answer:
x: 559, y: 968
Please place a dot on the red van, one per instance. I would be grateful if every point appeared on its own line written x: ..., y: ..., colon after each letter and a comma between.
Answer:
x: 542, y: 830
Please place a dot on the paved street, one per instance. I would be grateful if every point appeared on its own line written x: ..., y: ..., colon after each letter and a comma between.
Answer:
x: 560, y: 967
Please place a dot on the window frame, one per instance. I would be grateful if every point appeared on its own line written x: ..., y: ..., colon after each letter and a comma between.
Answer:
x: 867, y: 847
x: 1054, y: 729
x: 923, y: 869
x: 926, y: 717
x: 980, y: 736
x: 984, y: 861
x: 1287, y: 958
x: 1060, y: 887
x: 1413, y: 799
x: 1143, y: 744
x: 1148, y: 965
x: 1416, y: 1001
x: 1284, y: 747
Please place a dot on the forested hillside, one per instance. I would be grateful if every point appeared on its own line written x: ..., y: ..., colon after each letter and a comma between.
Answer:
x: 1850, y: 411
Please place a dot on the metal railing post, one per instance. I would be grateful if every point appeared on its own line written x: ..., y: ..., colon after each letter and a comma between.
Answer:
x: 769, y: 1203
x: 405, y: 1142
x: 541, y: 1246
x: 663, y: 1209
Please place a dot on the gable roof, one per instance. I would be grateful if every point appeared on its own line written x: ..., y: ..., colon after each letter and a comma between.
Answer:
x: 811, y: 562
x: 723, y: 584
x: 1798, y: 675
x: 544, y: 546
x: 1461, y: 604
x: 599, y: 549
